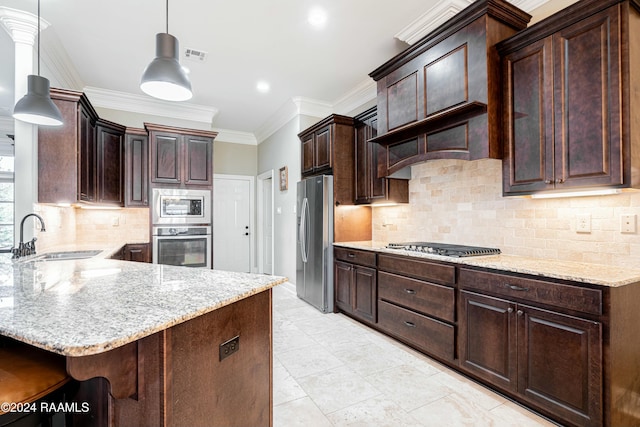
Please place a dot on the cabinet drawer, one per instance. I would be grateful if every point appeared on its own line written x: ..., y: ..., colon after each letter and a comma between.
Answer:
x: 427, y: 334
x: 428, y: 298
x: 576, y: 298
x: 406, y: 266
x: 355, y: 256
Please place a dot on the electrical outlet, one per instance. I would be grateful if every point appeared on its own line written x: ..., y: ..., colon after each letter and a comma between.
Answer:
x: 229, y: 347
x: 628, y: 223
x: 583, y: 223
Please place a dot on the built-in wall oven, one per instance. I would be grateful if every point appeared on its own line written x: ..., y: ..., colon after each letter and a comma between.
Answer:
x: 181, y: 227
x: 188, y: 246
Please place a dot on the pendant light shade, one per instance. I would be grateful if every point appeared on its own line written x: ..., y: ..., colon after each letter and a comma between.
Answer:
x: 36, y: 106
x: 164, y: 77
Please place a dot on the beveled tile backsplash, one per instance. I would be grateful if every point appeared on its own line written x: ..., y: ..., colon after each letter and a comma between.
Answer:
x: 457, y: 201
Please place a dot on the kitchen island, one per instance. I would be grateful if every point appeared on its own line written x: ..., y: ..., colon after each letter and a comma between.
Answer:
x: 177, y: 346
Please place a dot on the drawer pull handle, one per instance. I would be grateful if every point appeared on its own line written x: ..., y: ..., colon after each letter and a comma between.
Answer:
x: 515, y: 287
x: 351, y: 255
x: 410, y: 291
x: 410, y: 324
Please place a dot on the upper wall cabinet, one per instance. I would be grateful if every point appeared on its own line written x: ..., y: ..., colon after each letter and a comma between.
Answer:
x: 136, y: 174
x: 570, y: 96
x: 440, y: 98
x: 82, y: 160
x: 370, y: 188
x: 328, y: 148
x: 180, y: 157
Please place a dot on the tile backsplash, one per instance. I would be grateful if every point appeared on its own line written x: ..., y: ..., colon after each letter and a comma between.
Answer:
x: 457, y: 201
x: 68, y: 225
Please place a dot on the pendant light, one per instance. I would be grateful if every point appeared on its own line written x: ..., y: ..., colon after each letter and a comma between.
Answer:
x: 36, y: 106
x: 164, y: 77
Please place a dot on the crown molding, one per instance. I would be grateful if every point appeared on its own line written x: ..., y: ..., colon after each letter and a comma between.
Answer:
x: 57, y: 61
x: 144, y: 104
x: 236, y: 137
x: 291, y: 108
x: 21, y: 26
x: 445, y: 10
x: 364, y: 92
x: 431, y: 19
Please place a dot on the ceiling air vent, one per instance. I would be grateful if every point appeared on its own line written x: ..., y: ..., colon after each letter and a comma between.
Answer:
x: 195, y: 55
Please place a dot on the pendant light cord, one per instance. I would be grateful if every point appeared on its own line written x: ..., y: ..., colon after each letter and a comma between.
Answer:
x: 39, y: 37
x: 167, y: 16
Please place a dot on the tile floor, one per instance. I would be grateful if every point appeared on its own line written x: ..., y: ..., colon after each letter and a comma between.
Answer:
x: 330, y: 370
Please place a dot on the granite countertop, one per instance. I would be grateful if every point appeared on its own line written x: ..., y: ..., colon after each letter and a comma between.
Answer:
x: 84, y: 307
x: 596, y: 274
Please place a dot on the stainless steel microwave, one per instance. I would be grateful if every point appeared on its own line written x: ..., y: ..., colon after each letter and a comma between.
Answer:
x: 180, y: 206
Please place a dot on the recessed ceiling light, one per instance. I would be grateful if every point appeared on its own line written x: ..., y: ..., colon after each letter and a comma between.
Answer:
x: 262, y: 86
x: 317, y: 17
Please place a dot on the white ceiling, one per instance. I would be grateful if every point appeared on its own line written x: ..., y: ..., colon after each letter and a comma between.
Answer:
x: 109, y: 43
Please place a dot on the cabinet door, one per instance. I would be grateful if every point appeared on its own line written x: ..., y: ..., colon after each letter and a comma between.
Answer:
x: 198, y: 160
x: 343, y: 279
x: 376, y: 153
x: 136, y: 172
x: 322, y: 148
x: 362, y: 186
x: 165, y: 158
x: 588, y: 148
x: 365, y: 298
x: 560, y: 364
x: 109, y: 166
x: 87, y: 158
x: 528, y: 164
x: 307, y: 154
x: 487, y: 339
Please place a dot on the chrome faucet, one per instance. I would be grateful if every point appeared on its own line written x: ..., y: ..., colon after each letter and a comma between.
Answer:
x: 28, y: 248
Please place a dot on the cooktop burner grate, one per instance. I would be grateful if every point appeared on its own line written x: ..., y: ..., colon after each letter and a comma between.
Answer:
x: 444, y: 249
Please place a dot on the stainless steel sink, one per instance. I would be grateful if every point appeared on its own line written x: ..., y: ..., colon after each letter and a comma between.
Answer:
x: 68, y: 255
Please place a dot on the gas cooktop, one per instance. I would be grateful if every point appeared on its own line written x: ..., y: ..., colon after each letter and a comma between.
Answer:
x: 444, y: 249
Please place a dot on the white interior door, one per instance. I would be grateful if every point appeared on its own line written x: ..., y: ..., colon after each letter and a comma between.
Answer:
x: 233, y: 223
x: 265, y: 222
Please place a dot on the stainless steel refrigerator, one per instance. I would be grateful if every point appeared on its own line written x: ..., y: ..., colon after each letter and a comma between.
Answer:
x: 314, y: 264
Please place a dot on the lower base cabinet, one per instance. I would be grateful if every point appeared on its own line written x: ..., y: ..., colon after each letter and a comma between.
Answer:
x: 550, y: 360
x: 356, y: 286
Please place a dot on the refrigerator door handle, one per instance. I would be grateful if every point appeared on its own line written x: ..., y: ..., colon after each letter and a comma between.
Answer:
x: 304, y: 219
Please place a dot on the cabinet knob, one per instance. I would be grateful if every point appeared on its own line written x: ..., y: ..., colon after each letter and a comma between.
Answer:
x: 547, y: 181
x: 509, y: 310
x: 520, y: 312
x: 559, y: 181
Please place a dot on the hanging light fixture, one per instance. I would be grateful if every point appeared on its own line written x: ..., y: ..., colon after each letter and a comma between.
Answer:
x: 36, y: 106
x: 164, y: 77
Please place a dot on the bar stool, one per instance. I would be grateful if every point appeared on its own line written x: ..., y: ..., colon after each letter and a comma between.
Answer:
x: 28, y: 374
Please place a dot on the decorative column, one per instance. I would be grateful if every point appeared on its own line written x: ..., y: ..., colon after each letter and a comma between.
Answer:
x: 23, y: 29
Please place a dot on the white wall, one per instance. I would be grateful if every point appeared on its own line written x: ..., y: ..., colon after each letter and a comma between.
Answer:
x: 283, y: 149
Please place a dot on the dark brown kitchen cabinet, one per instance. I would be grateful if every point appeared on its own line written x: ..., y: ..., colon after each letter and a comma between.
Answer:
x: 139, y: 252
x: 325, y: 146
x: 369, y: 188
x: 550, y: 359
x: 356, y: 284
x: 417, y: 304
x: 82, y: 160
x: 328, y: 148
x: 136, y: 174
x: 568, y: 98
x: 180, y: 157
x: 109, y: 164
x: 440, y: 98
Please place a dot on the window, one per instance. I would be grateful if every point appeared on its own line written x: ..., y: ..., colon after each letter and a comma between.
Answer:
x: 6, y: 196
